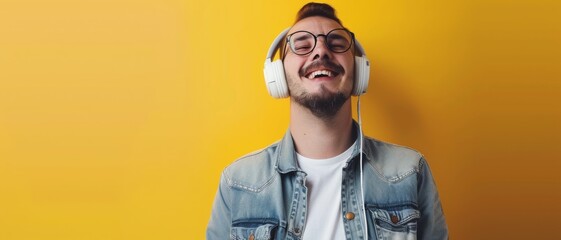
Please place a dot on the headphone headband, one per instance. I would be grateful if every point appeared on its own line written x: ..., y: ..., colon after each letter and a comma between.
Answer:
x: 275, y: 44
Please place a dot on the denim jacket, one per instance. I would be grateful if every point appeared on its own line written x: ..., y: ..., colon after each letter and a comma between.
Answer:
x: 263, y: 195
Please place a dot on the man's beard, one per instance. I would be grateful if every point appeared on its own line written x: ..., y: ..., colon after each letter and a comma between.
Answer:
x: 324, y: 105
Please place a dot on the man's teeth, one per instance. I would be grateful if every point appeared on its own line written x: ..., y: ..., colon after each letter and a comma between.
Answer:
x: 320, y: 73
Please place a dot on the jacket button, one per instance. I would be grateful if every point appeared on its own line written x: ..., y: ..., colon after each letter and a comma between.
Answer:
x: 350, y: 216
x: 297, y: 231
x: 394, y: 219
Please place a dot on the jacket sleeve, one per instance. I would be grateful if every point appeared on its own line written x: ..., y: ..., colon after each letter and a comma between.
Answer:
x: 432, y: 224
x: 220, y: 219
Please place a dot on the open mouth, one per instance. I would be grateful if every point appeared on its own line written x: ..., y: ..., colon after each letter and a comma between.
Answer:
x: 320, y: 73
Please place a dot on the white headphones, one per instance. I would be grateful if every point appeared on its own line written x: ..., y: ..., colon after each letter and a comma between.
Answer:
x: 276, y: 81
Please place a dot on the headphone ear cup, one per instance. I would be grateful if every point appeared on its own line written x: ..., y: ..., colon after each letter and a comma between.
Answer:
x: 275, y: 79
x: 362, y: 75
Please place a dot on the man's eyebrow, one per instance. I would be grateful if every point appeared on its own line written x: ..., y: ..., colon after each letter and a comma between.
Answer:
x: 302, y: 37
x: 336, y: 36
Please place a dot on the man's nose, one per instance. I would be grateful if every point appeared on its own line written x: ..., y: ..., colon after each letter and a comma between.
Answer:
x: 321, y: 50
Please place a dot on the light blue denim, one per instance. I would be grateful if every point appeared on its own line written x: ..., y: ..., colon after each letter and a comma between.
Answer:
x: 263, y: 196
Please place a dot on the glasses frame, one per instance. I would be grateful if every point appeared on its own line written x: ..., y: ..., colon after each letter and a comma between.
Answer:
x: 351, y: 34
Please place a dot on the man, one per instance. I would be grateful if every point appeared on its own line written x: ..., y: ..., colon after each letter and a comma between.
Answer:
x: 315, y: 183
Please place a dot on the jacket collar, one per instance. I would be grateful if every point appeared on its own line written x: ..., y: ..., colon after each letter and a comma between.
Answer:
x: 286, y: 155
x: 286, y: 160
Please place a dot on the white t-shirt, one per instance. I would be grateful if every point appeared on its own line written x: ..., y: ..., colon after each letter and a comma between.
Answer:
x: 324, y: 219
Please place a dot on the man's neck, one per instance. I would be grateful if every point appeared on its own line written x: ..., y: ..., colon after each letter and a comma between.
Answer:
x: 320, y: 138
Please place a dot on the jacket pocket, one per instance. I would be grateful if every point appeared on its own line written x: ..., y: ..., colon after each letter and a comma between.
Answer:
x: 395, y: 223
x: 257, y: 230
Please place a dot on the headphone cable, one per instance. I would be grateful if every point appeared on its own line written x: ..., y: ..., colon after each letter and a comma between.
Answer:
x: 361, y: 174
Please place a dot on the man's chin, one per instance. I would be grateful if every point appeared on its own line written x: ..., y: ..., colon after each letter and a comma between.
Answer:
x: 322, y: 92
x: 324, y: 104
x: 322, y: 95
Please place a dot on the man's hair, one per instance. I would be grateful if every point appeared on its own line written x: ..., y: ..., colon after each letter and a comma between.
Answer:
x: 317, y: 9
x: 312, y: 9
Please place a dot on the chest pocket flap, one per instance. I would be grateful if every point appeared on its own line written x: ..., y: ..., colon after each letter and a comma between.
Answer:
x: 253, y: 231
x: 395, y: 223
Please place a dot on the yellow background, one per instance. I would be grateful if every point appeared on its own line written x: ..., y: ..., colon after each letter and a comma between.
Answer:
x: 117, y: 117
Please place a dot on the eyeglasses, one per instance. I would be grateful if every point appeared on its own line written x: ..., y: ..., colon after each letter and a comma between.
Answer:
x: 338, y: 40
